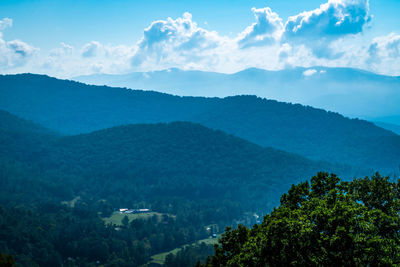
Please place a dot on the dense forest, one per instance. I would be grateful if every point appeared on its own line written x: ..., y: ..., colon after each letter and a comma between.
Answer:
x: 70, y: 108
x: 344, y: 90
x: 66, y: 172
x: 133, y: 163
x: 193, y: 175
x: 327, y: 222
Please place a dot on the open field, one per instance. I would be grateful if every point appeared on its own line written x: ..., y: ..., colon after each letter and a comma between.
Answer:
x: 71, y: 203
x: 160, y: 258
x: 117, y: 217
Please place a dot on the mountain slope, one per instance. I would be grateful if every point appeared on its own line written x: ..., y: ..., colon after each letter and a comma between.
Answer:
x: 181, y: 160
x: 388, y: 126
x: 21, y: 138
x: 133, y: 163
x: 72, y: 107
x: 351, y: 92
x: 22, y: 146
x: 51, y: 202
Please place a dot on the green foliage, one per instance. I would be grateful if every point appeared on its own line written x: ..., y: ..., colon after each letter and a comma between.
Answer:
x: 189, y: 255
x: 329, y: 223
x: 200, y: 176
x: 71, y: 108
x: 53, y: 235
x: 7, y: 260
x: 193, y: 253
x: 168, y: 167
x: 125, y: 221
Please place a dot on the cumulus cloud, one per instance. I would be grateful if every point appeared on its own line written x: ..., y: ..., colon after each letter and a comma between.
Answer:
x: 332, y: 20
x: 175, y: 40
x: 311, y: 37
x: 14, y: 53
x: 91, y: 49
x: 327, y: 36
x: 265, y: 31
x: 21, y: 49
x: 385, y: 46
x: 385, y: 51
x: 309, y: 72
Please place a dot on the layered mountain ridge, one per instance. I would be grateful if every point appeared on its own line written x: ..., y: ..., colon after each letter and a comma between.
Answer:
x: 71, y: 108
x: 352, y: 92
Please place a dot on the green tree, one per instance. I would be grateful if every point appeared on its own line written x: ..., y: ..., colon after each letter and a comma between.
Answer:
x: 7, y: 260
x: 125, y: 221
x: 326, y: 223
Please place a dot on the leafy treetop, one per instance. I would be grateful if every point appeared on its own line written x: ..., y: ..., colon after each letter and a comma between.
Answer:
x: 327, y: 223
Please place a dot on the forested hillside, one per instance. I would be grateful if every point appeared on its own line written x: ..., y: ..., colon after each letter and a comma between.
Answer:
x: 56, y: 189
x: 135, y: 163
x: 344, y: 90
x: 71, y: 107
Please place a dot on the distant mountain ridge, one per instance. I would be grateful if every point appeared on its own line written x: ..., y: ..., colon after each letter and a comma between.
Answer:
x: 352, y: 92
x: 388, y: 126
x: 71, y: 108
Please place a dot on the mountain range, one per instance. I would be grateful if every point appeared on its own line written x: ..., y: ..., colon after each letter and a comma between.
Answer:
x: 57, y: 190
x: 351, y: 92
x: 70, y: 107
x: 148, y: 162
x: 72, y: 155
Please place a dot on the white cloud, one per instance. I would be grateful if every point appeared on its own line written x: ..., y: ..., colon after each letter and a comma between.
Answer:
x: 13, y: 53
x: 5, y: 23
x: 384, y: 53
x: 386, y: 46
x: 309, y: 38
x: 94, y: 57
x: 65, y: 49
x: 309, y: 72
x: 327, y: 36
x: 173, y: 42
x: 265, y: 31
x: 91, y: 49
x: 331, y: 21
x: 21, y: 49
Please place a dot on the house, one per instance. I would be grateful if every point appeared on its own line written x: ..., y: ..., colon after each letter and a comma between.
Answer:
x: 127, y: 211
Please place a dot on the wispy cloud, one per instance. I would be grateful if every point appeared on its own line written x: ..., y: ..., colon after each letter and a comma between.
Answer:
x: 5, y: 23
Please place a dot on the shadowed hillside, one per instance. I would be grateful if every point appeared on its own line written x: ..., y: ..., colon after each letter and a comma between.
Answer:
x: 72, y: 107
x: 136, y: 163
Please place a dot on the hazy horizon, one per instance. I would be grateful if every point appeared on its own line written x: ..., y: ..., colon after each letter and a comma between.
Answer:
x: 68, y: 39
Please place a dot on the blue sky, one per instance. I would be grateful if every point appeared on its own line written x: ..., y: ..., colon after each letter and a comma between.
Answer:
x: 67, y: 38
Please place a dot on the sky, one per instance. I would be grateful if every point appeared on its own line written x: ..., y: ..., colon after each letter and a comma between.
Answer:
x: 73, y: 37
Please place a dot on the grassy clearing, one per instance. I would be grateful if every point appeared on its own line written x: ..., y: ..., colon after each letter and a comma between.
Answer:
x: 160, y: 258
x: 72, y: 202
x: 117, y: 217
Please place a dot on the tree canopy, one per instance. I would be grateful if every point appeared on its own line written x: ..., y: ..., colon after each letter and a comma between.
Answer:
x: 323, y: 223
x: 72, y: 108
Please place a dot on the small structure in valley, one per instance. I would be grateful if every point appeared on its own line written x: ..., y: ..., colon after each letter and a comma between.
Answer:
x: 127, y: 211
